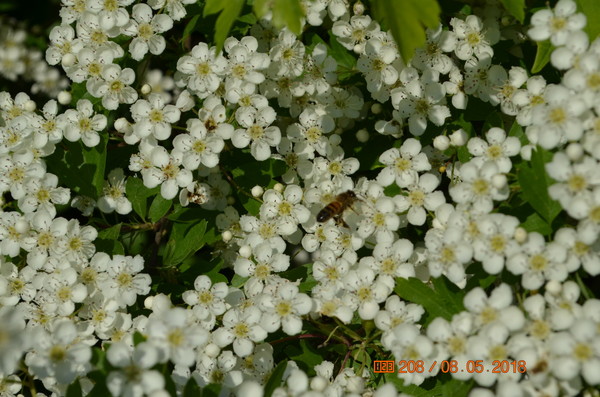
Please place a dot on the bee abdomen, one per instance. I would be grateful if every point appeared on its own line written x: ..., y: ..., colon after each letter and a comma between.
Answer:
x: 327, y: 213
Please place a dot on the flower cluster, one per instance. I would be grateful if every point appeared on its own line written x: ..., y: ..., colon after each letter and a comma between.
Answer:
x: 344, y: 226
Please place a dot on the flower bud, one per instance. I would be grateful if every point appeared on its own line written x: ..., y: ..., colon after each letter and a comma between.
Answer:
x: 257, y: 191
x: 441, y: 142
x: 64, y: 97
x: 362, y: 135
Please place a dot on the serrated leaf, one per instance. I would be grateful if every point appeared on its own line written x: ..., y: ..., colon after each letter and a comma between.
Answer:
x: 112, y: 233
x: 516, y: 8
x: 159, y: 207
x: 534, y: 183
x: 435, y: 302
x: 542, y: 56
x: 407, y: 20
x: 591, y: 9
x: 275, y: 379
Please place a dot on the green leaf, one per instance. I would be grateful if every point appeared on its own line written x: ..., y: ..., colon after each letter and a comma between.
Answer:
x: 275, y: 379
x: 112, y: 233
x: 213, y: 6
x: 80, y: 168
x: 230, y: 11
x: 288, y: 13
x: 516, y: 8
x: 542, y: 56
x: 443, y: 300
x: 591, y: 9
x: 159, y: 208
x: 191, y: 388
x: 138, y: 194
x: 407, y: 20
x: 74, y: 389
x: 189, y: 28
x: 305, y: 353
x: 185, y: 239
x: 535, y: 223
x: 534, y: 183
x: 212, y: 390
x: 107, y: 240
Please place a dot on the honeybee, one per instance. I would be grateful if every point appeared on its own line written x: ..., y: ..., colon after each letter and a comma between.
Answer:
x: 336, y: 208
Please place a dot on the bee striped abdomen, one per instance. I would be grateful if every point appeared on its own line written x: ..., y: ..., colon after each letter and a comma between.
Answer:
x: 336, y: 208
x: 329, y: 211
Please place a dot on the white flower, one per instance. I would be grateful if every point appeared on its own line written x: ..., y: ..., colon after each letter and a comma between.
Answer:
x: 153, y: 117
x: 448, y: 253
x: 473, y: 39
x: 378, y: 216
x: 16, y: 339
x: 354, y: 34
x: 285, y: 208
x: 403, y: 165
x: 431, y: 55
x: 256, y: 131
x: 578, y: 350
x: 265, y: 263
x: 146, y: 28
x: 495, y: 241
x: 556, y: 25
x: 202, y: 70
x: 48, y: 128
x: 419, y: 101
x: 244, y: 61
x: 406, y: 342
x: 495, y: 309
x: 13, y: 228
x: 59, y: 354
x: 175, y: 8
x: 558, y: 119
x: 62, y: 42
x: 164, y: 170
x: 84, y: 124
x: 242, y: 328
x: 287, y: 55
x: 135, y: 378
x: 89, y: 66
x: 15, y: 170
x: 43, y: 194
x: 207, y: 299
x: 175, y: 336
x: 198, y: 147
x: 114, y: 194
x: 43, y: 238
x: 125, y: 282
x: 573, y: 182
x: 114, y: 87
x: 421, y: 195
x: 310, y: 134
x: 538, y: 262
x: 76, y: 243
x: 284, y: 309
x: 110, y: 13
x: 367, y: 291
x: 390, y: 260
x: 476, y: 187
x: 214, y: 116
x: 497, y: 149
x: 60, y: 292
x: 376, y: 65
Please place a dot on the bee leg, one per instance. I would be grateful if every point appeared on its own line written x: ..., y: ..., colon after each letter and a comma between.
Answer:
x: 340, y: 222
